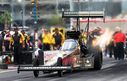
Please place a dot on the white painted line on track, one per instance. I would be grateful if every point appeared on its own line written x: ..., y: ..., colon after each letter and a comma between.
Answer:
x: 10, y: 68
x: 5, y: 71
x: 107, y: 65
x: 55, y: 79
x: 21, y: 79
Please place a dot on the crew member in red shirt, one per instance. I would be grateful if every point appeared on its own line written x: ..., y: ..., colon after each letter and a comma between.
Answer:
x: 119, y: 41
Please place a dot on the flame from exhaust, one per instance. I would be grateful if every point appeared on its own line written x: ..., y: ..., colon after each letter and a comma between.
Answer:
x: 103, y: 40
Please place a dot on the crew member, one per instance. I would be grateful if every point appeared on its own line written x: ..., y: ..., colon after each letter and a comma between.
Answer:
x: 125, y: 47
x: 17, y: 40
x: 58, y: 38
x: 83, y: 36
x: 93, y: 35
x: 1, y: 43
x: 46, y: 40
x: 119, y: 41
x: 25, y: 42
x: 7, y: 40
x: 110, y: 48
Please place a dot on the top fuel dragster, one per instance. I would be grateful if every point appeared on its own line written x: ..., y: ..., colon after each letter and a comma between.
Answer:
x: 72, y: 55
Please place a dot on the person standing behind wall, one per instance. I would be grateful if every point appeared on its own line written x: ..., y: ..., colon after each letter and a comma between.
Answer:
x: 7, y: 40
x: 17, y: 40
x: 58, y: 38
x: 1, y: 43
x: 25, y: 42
x: 119, y: 41
x: 46, y: 40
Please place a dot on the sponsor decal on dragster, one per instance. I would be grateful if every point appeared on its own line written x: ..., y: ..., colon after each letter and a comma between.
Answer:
x: 72, y: 59
x: 50, y: 57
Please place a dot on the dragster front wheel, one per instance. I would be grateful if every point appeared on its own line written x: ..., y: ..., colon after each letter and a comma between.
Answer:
x: 59, y: 63
x: 36, y: 64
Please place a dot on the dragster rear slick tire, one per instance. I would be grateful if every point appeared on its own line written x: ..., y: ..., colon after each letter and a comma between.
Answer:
x: 36, y: 64
x: 98, y: 59
x: 59, y: 63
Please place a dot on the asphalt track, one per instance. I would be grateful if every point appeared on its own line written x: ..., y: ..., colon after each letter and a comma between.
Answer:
x: 112, y: 70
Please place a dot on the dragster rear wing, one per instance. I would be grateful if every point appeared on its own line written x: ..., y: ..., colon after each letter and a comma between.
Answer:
x: 83, y: 14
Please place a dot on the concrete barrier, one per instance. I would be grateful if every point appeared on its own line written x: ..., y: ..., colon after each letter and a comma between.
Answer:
x: 3, y: 66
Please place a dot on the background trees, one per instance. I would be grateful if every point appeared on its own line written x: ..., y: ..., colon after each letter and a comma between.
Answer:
x: 6, y: 19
